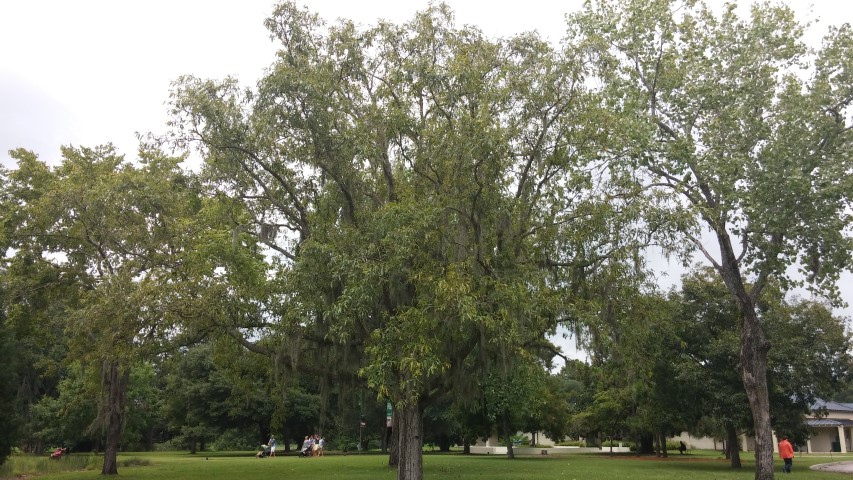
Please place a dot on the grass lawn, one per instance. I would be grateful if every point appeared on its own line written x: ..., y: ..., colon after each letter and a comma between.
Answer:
x: 695, y: 466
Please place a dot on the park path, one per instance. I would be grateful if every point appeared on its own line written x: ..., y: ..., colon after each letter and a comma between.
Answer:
x: 836, y: 467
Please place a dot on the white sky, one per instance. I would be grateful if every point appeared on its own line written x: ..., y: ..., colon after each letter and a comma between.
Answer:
x: 88, y: 72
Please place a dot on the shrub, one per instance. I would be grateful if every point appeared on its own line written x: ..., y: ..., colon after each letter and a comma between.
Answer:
x: 672, y: 446
x: 572, y: 443
x: 233, y: 439
x: 24, y: 465
x: 169, y: 446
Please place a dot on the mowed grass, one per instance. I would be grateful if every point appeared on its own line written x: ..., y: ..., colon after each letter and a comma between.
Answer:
x: 233, y: 465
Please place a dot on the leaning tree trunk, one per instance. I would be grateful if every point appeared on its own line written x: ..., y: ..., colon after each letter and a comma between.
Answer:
x: 733, y: 447
x: 408, y: 425
x: 115, y: 382
x: 753, y: 359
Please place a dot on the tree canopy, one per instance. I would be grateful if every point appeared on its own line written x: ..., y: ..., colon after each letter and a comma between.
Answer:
x: 435, y: 196
x: 746, y: 135
x: 414, y: 209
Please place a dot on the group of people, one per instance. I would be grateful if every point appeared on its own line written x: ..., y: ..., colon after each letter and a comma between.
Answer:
x: 313, y: 446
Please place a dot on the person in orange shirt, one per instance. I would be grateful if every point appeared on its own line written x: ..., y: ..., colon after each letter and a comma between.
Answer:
x: 786, y: 451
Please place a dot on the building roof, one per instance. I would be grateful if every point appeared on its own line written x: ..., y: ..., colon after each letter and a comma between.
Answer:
x: 832, y: 406
x: 829, y: 422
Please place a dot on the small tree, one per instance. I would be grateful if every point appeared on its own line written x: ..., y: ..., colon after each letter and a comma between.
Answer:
x: 125, y: 237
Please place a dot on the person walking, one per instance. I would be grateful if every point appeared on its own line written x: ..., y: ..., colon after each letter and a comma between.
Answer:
x: 272, y: 445
x: 786, y: 452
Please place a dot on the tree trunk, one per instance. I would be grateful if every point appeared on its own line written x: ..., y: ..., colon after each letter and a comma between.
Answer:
x: 394, y: 456
x: 150, y: 436
x: 507, y: 438
x: 647, y: 443
x: 443, y: 443
x: 663, y: 452
x: 466, y: 446
x: 116, y: 384
x: 408, y: 425
x: 753, y: 359
x: 732, y: 447
x: 753, y: 356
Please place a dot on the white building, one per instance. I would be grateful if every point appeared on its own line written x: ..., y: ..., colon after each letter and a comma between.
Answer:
x: 830, y: 428
x: 832, y: 432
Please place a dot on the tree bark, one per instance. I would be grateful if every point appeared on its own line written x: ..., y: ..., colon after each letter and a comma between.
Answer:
x: 753, y: 356
x: 394, y: 456
x: 443, y: 443
x: 507, y: 438
x: 753, y: 359
x: 116, y: 380
x: 732, y: 447
x: 647, y: 443
x: 408, y: 425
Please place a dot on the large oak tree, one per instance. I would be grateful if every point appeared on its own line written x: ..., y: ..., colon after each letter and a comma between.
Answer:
x: 433, y: 198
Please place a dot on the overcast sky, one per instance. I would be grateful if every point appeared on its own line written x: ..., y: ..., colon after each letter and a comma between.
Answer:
x: 88, y: 72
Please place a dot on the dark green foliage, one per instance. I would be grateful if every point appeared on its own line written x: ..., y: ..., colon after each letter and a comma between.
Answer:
x: 810, y: 358
x: 67, y: 420
x: 36, y: 296
x: 202, y: 399
x: 145, y: 424
x: 8, y: 380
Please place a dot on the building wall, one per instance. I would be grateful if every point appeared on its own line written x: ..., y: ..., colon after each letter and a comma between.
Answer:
x: 822, y: 438
x: 702, y: 443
